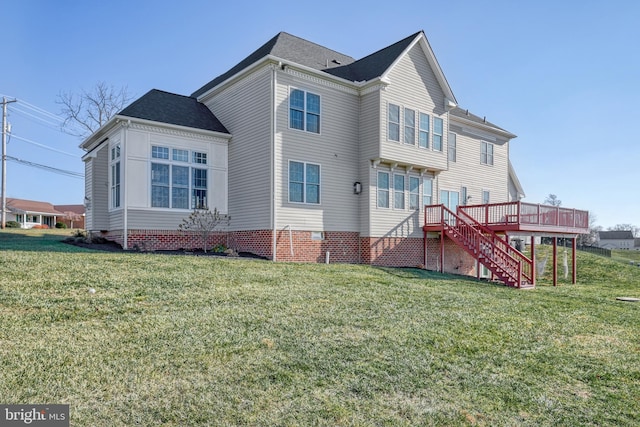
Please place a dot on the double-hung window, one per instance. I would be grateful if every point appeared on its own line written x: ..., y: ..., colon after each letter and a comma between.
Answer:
x: 398, y: 191
x: 115, y: 176
x: 486, y: 153
x: 485, y: 197
x: 178, y: 180
x: 394, y: 122
x: 409, y: 126
x: 414, y: 192
x: 437, y: 134
x: 304, y: 182
x: 452, y: 148
x: 423, y: 138
x: 304, y: 111
x: 427, y: 191
x: 383, y: 189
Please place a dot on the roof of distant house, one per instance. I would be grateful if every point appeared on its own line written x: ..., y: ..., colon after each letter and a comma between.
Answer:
x: 31, y: 206
x: 77, y: 209
x: 160, y: 106
x: 615, y: 235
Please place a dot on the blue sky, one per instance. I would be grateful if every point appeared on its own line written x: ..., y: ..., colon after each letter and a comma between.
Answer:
x: 563, y: 76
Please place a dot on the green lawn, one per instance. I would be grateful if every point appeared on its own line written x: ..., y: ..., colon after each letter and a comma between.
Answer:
x: 178, y: 341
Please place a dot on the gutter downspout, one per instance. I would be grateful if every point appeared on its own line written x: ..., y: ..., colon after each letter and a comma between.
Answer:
x: 274, y: 81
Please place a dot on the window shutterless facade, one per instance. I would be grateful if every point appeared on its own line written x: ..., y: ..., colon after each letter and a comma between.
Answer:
x: 304, y: 111
x: 486, y: 153
x: 115, y: 176
x: 423, y: 135
x: 414, y: 192
x: 398, y: 191
x: 452, y: 147
x: 485, y: 197
x: 383, y: 189
x: 393, y: 122
x: 175, y: 182
x: 427, y: 191
x: 437, y: 134
x: 304, y: 182
x: 409, y: 126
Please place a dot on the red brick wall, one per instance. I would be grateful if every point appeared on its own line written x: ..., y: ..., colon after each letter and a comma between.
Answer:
x: 343, y: 247
x: 392, y: 251
x: 158, y: 240
x: 257, y: 242
x: 456, y: 260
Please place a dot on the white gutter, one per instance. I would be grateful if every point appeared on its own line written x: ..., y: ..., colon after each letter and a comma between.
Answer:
x: 274, y: 81
x: 123, y: 179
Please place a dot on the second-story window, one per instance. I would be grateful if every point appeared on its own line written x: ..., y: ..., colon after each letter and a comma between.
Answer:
x: 304, y: 111
x: 394, y: 122
x: 409, y: 126
x: 423, y: 138
x: 486, y: 153
x: 452, y: 148
x: 437, y: 134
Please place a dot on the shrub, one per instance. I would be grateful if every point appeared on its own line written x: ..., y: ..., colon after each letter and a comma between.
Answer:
x: 12, y: 224
x: 61, y: 225
x: 203, y: 222
x: 79, y: 233
x: 40, y: 227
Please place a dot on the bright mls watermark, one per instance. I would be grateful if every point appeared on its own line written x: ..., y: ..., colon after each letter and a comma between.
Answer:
x: 34, y: 415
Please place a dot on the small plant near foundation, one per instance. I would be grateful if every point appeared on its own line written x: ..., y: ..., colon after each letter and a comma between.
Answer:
x: 219, y: 249
x: 204, y: 222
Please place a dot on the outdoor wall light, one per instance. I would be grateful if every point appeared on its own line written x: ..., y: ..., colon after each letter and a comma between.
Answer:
x: 357, y: 188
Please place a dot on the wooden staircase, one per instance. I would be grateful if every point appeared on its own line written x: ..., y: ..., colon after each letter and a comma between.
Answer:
x: 506, y: 263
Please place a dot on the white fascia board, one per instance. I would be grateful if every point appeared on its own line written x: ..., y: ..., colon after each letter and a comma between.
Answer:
x: 482, y: 126
x: 145, y: 122
x: 91, y: 140
x: 516, y: 180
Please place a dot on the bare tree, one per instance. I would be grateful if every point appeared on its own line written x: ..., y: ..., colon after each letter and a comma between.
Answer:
x: 552, y: 200
x: 87, y: 111
x: 204, y: 222
x: 590, y: 238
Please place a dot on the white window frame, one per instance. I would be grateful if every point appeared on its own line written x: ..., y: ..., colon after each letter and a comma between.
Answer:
x: 486, y: 153
x: 115, y: 177
x: 305, y: 110
x: 424, y: 130
x: 427, y: 197
x: 304, y: 183
x: 414, y: 196
x: 438, y: 146
x: 409, y: 130
x: 399, y: 195
x: 486, y: 197
x: 390, y: 122
x: 386, y: 190
x: 452, y: 148
x: 196, y: 160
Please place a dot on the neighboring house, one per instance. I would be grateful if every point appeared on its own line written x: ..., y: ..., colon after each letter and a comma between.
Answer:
x: 636, y: 245
x: 616, y: 240
x: 73, y: 215
x: 315, y: 156
x: 30, y: 213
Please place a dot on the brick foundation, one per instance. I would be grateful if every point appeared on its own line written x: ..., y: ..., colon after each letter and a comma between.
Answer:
x: 392, y: 251
x: 456, y: 260
x: 257, y: 242
x: 343, y: 247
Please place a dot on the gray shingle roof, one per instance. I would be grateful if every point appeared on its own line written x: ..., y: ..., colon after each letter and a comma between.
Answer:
x: 165, y: 107
x: 288, y: 47
x: 615, y: 235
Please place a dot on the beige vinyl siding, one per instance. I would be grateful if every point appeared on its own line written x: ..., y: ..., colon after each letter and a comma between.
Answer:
x: 100, y: 190
x: 467, y: 171
x: 116, y: 219
x: 392, y: 222
x: 413, y: 85
x: 245, y: 110
x: 335, y: 149
x: 369, y: 150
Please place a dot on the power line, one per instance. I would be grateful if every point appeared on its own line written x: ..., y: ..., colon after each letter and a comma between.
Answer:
x: 48, y: 168
x: 46, y: 147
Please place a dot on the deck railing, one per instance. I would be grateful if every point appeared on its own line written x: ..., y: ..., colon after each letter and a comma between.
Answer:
x: 520, y: 213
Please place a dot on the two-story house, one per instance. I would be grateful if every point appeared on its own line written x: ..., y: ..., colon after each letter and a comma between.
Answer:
x: 316, y: 156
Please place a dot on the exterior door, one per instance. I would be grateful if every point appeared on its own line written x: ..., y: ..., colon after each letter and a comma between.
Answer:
x: 451, y: 200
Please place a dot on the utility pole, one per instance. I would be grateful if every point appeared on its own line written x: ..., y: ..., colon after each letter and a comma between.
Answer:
x: 3, y: 208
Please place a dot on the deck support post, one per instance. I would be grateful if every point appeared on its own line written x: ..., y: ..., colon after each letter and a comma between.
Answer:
x: 534, y: 271
x: 555, y: 261
x: 442, y: 251
x: 574, y: 263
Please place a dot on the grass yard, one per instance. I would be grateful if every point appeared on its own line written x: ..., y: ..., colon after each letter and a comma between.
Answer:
x: 178, y: 341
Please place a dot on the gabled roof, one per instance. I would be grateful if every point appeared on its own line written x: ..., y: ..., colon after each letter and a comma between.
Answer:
x: 290, y: 48
x: 165, y: 107
x: 77, y: 209
x: 31, y: 206
x: 615, y: 235
x: 373, y: 65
